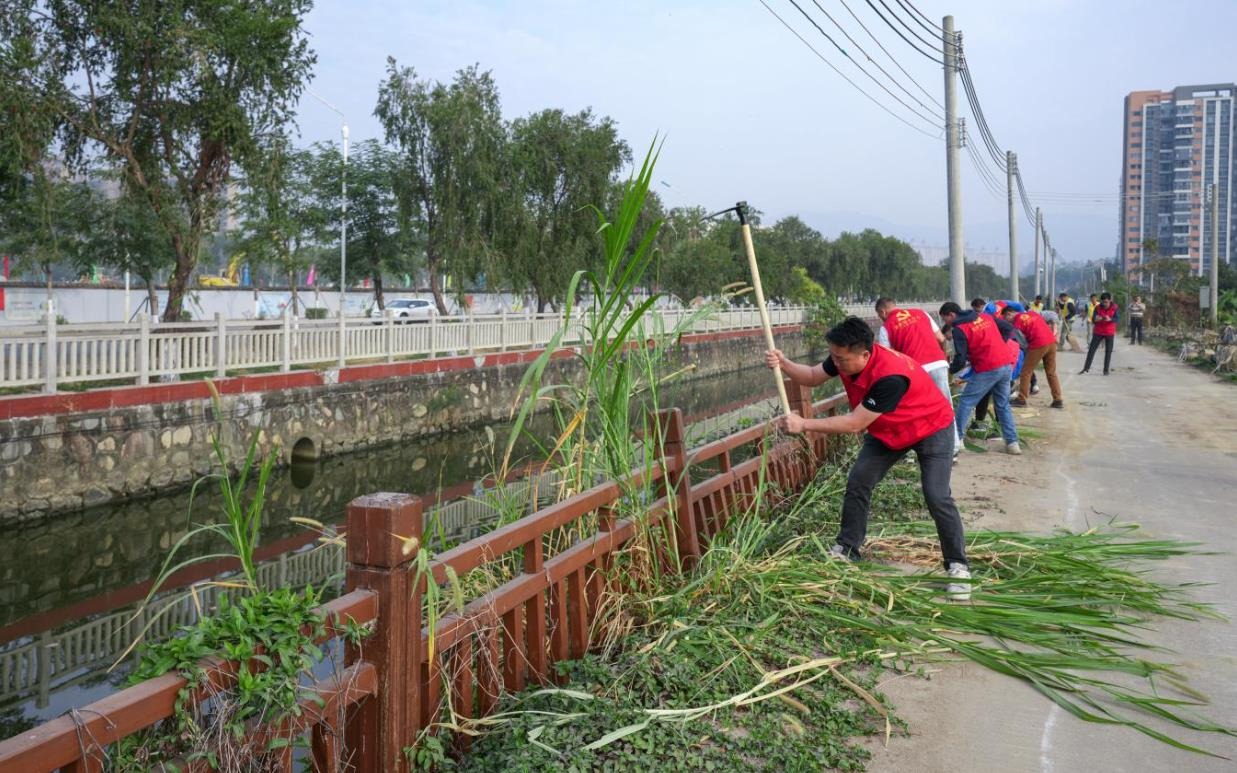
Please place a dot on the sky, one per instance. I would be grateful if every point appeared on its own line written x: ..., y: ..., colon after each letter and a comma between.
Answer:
x: 748, y: 112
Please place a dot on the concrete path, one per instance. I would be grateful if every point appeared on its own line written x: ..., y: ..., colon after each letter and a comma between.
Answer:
x: 1154, y: 443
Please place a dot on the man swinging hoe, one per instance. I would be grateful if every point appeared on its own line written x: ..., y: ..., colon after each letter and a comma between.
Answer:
x: 902, y: 409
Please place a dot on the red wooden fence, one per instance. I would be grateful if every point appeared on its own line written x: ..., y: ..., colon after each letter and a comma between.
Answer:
x: 408, y: 676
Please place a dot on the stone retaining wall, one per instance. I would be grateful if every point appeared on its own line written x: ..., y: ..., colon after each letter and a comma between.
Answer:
x: 79, y: 458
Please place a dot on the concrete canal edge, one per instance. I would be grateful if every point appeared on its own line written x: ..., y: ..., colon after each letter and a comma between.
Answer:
x: 72, y: 450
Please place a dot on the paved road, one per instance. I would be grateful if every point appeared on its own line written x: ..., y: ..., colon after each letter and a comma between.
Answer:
x: 1154, y: 443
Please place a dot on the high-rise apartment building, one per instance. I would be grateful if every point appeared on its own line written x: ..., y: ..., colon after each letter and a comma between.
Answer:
x: 1177, y: 143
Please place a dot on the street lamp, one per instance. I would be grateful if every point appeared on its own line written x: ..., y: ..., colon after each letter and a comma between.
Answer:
x: 343, y: 221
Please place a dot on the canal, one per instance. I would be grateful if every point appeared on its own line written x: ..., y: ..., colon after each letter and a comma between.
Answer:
x: 70, y: 584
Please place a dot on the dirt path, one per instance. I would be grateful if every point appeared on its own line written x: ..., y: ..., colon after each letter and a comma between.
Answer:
x: 1156, y: 444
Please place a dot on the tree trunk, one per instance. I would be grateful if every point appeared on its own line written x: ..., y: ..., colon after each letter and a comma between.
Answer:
x: 47, y: 274
x: 377, y: 276
x: 151, y: 296
x: 541, y: 304
x: 292, y: 284
x: 432, y: 264
x: 179, y: 280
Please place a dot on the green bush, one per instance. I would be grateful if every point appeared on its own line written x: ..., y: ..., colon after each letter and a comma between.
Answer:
x: 826, y: 313
x: 318, y: 312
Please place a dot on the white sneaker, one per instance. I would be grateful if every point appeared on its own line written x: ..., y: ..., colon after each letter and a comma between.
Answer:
x: 840, y: 553
x: 959, y: 591
x: 1013, y: 449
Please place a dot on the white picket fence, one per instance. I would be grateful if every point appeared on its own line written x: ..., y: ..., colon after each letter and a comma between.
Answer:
x: 50, y: 354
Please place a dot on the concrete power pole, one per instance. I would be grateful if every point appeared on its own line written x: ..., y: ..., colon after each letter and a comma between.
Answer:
x: 1039, y: 226
x: 1215, y: 257
x: 1052, y: 272
x: 1011, y: 168
x: 953, y: 176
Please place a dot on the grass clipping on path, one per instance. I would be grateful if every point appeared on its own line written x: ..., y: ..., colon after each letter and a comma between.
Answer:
x: 767, y: 655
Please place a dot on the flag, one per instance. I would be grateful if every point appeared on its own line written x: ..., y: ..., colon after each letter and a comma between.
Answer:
x: 313, y: 274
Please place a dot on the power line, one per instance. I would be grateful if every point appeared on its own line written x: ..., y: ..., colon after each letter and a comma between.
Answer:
x: 938, y: 58
x: 892, y: 58
x: 935, y: 114
x: 872, y: 77
x: 934, y: 30
x: 843, y: 75
x: 922, y: 15
x: 936, y: 47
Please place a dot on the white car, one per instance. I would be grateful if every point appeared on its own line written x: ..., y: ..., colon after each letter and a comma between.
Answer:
x: 406, y: 310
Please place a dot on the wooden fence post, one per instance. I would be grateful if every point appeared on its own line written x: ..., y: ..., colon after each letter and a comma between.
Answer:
x: 679, y: 483
x: 800, y: 398
x: 384, y: 537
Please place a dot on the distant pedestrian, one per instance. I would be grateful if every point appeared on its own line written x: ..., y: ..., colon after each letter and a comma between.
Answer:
x: 1105, y: 329
x: 981, y: 340
x: 1092, y: 302
x: 1038, y: 304
x: 1137, y: 309
x: 1067, y: 309
x: 1041, y: 347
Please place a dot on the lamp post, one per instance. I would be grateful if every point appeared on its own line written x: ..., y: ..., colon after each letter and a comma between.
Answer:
x: 343, y: 222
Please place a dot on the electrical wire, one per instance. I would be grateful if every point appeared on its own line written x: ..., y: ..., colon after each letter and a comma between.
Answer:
x: 892, y: 58
x: 872, y: 77
x: 930, y: 54
x: 921, y: 14
x: 936, y: 115
x: 843, y: 75
x: 937, y: 47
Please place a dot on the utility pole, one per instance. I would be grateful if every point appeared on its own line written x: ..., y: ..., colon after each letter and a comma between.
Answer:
x: 1011, y: 168
x: 1215, y: 257
x: 1052, y: 273
x: 1039, y: 225
x: 953, y: 177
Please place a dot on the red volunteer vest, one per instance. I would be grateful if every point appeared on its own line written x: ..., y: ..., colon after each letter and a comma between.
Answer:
x: 1015, y: 350
x: 910, y: 332
x: 922, y: 411
x: 1105, y: 328
x: 1035, y: 329
x: 985, y: 347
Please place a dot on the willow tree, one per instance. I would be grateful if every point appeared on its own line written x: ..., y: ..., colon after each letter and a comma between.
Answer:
x: 450, y: 144
x: 561, y: 165
x: 171, y: 93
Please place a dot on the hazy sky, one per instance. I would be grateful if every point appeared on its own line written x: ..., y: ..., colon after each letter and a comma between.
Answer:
x: 748, y: 112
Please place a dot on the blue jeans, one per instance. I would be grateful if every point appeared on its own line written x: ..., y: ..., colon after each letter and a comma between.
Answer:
x: 980, y: 385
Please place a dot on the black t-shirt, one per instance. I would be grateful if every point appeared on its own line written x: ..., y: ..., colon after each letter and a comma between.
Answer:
x: 884, y: 395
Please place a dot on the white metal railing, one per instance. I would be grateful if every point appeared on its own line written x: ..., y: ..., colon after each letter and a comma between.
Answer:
x: 49, y: 354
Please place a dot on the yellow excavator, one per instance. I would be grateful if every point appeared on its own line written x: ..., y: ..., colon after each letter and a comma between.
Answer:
x: 228, y: 278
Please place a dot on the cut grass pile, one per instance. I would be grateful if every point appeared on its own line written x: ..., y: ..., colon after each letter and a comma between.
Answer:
x: 768, y: 655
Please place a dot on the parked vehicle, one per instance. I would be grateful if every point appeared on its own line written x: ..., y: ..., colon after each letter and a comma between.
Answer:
x: 406, y: 310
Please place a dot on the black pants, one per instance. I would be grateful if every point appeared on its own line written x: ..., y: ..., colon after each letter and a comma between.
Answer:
x: 1094, y: 345
x: 935, y: 455
x: 1136, y: 330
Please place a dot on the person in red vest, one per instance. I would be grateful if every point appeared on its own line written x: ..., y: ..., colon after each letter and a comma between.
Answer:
x: 1041, y: 347
x: 980, y: 340
x: 914, y: 333
x: 1103, y: 329
x: 902, y: 410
